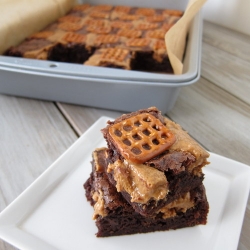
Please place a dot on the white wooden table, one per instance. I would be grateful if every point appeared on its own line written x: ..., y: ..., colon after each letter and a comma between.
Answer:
x: 215, y: 111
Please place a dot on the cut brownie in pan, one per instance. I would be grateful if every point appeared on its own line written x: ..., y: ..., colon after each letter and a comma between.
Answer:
x: 111, y: 57
x: 88, y: 33
x: 115, y: 216
x: 151, y: 160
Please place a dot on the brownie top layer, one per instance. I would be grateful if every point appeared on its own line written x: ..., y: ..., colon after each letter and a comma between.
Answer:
x: 177, y: 140
x: 132, y: 171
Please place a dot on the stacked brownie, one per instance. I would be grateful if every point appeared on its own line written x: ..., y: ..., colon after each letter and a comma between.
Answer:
x: 149, y: 178
x: 103, y: 35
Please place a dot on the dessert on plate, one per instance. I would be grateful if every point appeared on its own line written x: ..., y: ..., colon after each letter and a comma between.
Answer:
x: 149, y: 178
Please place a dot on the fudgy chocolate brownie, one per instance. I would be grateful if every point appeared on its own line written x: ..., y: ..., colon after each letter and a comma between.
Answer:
x: 103, y: 35
x: 152, y: 160
x: 115, y: 216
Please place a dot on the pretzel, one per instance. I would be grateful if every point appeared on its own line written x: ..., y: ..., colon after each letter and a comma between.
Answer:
x: 99, y: 14
x: 99, y: 29
x: 106, y: 39
x: 129, y: 17
x: 74, y: 38
x: 141, y: 137
x: 70, y: 26
x: 129, y: 33
x: 121, y: 24
x: 158, y: 34
x: 114, y: 54
x: 137, y: 42
x: 147, y: 26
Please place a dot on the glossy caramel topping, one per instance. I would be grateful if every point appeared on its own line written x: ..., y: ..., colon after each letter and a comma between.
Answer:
x: 74, y: 38
x: 147, y: 26
x: 99, y: 29
x: 124, y: 9
x: 141, y: 137
x: 141, y: 182
x: 129, y: 33
x: 82, y: 7
x: 71, y: 19
x: 114, y: 54
x: 158, y: 34
x: 145, y: 11
x: 70, y: 26
x: 42, y: 34
x: 138, y: 42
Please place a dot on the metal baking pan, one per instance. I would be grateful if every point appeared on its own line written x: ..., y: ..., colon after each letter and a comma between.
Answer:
x: 104, y: 87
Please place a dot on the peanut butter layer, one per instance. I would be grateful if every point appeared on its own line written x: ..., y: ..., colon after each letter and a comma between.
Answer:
x: 99, y: 205
x: 141, y: 182
x: 186, y: 144
x: 183, y: 142
x: 181, y: 204
x: 101, y: 186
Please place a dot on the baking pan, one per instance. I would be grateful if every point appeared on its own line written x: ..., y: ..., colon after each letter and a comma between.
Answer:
x: 104, y: 87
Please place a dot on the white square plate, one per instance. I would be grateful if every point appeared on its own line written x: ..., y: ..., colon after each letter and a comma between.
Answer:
x: 53, y: 213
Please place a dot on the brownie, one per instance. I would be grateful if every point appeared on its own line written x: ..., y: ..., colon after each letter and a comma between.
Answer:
x: 111, y: 57
x: 122, y: 37
x: 177, y: 168
x: 115, y: 216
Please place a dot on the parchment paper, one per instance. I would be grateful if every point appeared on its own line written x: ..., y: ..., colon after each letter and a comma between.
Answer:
x: 21, y: 18
x: 175, y: 38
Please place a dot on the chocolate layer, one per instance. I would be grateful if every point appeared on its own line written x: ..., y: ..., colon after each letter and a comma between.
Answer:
x: 117, y: 217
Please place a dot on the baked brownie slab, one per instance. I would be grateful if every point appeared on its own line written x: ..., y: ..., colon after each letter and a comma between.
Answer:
x: 151, y: 160
x: 89, y: 29
x: 115, y: 216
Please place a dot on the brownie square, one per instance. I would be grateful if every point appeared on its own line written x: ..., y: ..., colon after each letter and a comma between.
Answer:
x: 152, y: 160
x: 115, y: 216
